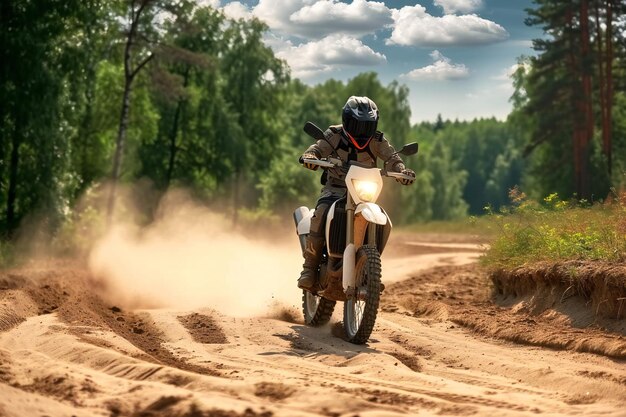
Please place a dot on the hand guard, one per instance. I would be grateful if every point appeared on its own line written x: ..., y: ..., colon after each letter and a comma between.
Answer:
x: 405, y: 181
x: 312, y: 167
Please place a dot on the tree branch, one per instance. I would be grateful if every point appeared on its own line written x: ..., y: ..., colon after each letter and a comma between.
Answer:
x: 528, y: 149
x: 142, y: 6
x: 141, y: 65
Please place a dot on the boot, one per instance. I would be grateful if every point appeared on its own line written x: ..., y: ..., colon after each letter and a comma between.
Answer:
x: 312, y: 257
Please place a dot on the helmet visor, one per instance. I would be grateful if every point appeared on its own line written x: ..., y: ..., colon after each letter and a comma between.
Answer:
x: 361, y: 131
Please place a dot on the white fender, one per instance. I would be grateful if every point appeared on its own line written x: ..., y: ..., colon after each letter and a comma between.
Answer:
x: 372, y: 213
x: 330, y: 215
x: 304, y: 224
x: 349, y: 260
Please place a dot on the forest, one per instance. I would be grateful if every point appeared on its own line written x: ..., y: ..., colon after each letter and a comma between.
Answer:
x: 96, y: 95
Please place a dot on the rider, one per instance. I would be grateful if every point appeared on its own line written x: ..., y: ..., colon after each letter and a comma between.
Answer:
x: 356, y: 139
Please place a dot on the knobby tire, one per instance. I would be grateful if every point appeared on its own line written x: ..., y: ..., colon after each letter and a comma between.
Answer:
x: 322, y: 314
x: 371, y: 270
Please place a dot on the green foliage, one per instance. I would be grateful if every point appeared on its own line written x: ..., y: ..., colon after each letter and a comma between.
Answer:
x: 7, y: 253
x: 33, y: 83
x: 481, y: 158
x: 79, y: 231
x: 286, y: 185
x: 142, y: 125
x: 530, y: 232
x: 215, y: 111
x: 447, y: 182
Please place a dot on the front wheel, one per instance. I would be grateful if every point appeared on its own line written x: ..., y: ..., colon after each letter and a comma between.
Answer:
x: 359, y: 311
x: 317, y: 310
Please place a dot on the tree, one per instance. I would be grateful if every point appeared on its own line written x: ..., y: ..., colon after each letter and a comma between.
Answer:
x: 448, y: 182
x: 34, y: 65
x: 86, y: 51
x: 560, y: 95
x: 182, y: 79
x: 254, y: 80
x: 140, y: 14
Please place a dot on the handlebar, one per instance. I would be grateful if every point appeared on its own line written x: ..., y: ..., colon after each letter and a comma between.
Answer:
x: 336, y: 163
x: 399, y: 175
x: 322, y: 163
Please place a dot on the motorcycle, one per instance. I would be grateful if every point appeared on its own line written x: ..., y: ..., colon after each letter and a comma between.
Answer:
x: 357, y: 230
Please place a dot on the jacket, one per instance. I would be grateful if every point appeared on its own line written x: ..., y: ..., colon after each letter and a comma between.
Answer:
x: 337, y: 145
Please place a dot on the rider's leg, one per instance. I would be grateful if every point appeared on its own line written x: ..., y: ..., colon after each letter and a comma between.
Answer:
x: 313, y: 249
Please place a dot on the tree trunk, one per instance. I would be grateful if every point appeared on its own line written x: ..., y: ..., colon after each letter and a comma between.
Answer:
x: 575, y: 103
x: 607, y: 140
x: 586, y: 105
x: 601, y: 80
x: 119, y: 148
x: 174, y: 132
x: 236, y: 197
x: 13, y: 176
x: 85, y: 132
x: 129, y: 76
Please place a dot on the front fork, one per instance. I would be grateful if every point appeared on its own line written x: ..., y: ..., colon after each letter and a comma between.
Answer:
x: 349, y: 254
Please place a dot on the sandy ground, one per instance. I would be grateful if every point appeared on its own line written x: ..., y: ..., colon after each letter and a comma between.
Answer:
x: 66, y: 352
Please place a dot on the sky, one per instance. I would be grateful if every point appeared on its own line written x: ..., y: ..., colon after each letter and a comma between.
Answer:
x: 456, y: 56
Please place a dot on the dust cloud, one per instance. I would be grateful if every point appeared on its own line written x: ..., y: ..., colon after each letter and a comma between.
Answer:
x: 190, y: 258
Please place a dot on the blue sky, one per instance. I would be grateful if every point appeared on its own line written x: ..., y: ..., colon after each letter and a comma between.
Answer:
x: 454, y: 55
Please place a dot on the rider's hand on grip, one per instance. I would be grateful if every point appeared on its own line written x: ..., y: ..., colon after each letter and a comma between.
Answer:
x: 307, y: 165
x: 405, y: 181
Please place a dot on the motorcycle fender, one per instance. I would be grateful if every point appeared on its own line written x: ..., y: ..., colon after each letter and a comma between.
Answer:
x: 349, y: 260
x: 330, y: 215
x: 372, y: 213
x: 304, y: 225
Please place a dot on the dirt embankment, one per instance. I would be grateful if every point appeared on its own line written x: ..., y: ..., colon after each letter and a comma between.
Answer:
x: 602, y: 286
x: 580, y: 304
x: 573, y: 306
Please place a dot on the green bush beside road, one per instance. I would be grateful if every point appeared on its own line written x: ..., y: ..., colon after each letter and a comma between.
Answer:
x: 557, y: 230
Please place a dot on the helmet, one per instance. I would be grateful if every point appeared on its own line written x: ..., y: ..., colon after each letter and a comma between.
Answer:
x: 360, y: 119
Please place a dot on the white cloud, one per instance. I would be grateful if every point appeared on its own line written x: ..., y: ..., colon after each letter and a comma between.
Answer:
x: 459, y: 6
x: 327, y: 54
x: 236, y: 10
x: 317, y: 19
x: 413, y: 26
x: 276, y: 13
x: 357, y: 18
x: 442, y: 69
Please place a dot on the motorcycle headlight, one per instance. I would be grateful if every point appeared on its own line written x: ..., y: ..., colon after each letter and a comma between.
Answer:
x: 366, y: 190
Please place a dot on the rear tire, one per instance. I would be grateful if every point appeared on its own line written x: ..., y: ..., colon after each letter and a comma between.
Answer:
x: 360, y: 310
x: 317, y: 310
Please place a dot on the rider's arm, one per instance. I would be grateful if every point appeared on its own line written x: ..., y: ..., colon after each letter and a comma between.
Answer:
x: 322, y: 148
x: 382, y: 149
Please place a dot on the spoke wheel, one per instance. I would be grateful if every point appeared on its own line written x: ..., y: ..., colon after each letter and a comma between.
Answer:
x: 359, y: 311
x: 317, y: 310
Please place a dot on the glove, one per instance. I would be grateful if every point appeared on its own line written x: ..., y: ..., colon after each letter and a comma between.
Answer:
x: 312, y: 167
x: 405, y: 181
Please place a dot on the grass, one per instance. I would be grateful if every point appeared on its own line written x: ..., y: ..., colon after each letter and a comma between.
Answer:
x: 557, y: 230
x: 479, y: 227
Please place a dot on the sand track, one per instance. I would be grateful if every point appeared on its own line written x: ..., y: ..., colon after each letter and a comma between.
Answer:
x: 64, y: 351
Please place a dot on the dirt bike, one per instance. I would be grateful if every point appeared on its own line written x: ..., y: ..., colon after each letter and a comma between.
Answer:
x: 357, y: 230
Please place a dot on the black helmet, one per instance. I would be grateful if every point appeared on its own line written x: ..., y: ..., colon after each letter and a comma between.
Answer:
x: 360, y: 119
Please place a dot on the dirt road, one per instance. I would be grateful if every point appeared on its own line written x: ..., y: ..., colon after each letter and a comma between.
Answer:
x: 65, y: 352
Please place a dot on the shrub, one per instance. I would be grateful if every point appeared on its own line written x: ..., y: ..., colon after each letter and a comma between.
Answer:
x: 554, y: 230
